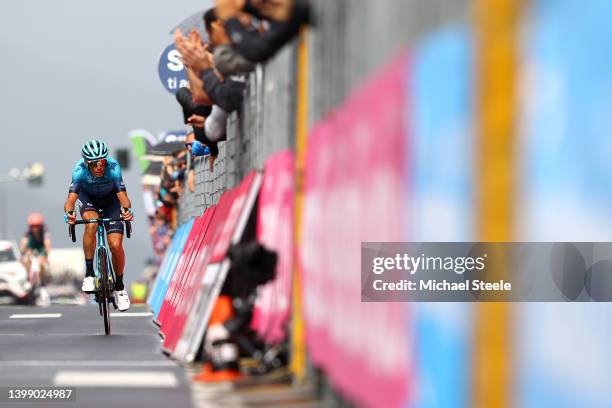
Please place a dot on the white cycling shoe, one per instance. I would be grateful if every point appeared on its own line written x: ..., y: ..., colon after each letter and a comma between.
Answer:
x: 89, y: 284
x: 122, y: 300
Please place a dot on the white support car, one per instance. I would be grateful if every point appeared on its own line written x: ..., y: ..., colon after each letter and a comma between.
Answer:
x: 13, y: 275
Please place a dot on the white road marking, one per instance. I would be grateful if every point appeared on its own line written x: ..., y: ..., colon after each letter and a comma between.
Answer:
x: 35, y: 316
x: 86, y: 363
x: 145, y: 379
x: 133, y: 314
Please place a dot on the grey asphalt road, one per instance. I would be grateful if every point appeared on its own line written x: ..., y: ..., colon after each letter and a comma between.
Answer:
x: 68, y: 348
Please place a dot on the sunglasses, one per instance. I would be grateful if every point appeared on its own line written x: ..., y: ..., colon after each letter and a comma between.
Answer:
x: 188, y: 145
x: 96, y: 163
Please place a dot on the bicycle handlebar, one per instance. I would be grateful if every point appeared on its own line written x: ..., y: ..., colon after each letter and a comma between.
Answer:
x: 72, y: 227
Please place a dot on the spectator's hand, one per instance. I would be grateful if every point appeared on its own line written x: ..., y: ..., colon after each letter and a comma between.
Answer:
x: 245, y: 19
x: 191, y: 181
x: 211, y: 163
x: 196, y: 120
x: 278, y: 10
x: 210, y: 59
x: 227, y: 9
x: 192, y: 51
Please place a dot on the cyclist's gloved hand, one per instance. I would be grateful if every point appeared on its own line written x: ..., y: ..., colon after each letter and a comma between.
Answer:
x: 199, y: 149
x: 69, y: 217
x: 127, y: 214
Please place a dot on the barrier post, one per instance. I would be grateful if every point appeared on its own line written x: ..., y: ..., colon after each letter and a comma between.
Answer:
x: 298, y: 347
x: 496, y: 37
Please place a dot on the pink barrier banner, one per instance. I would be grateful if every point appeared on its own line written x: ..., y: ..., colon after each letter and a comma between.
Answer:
x: 190, y: 246
x: 212, y: 215
x: 275, y: 232
x: 187, y: 272
x: 188, y: 303
x: 355, y: 192
x: 201, y: 290
x: 222, y: 241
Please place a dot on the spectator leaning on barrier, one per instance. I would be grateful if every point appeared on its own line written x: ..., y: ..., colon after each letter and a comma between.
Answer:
x: 285, y: 18
x: 196, y: 116
x: 226, y: 59
x: 197, y: 148
x: 185, y: 99
x: 213, y: 120
x: 208, y: 85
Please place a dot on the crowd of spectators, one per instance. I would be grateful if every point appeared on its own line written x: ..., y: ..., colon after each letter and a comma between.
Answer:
x: 176, y: 175
x: 240, y: 34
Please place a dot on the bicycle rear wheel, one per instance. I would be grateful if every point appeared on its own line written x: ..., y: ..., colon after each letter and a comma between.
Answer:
x: 104, y: 292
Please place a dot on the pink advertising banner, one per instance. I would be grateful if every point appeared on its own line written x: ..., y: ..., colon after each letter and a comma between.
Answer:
x: 355, y: 192
x: 275, y: 232
x: 175, y: 320
x: 191, y: 246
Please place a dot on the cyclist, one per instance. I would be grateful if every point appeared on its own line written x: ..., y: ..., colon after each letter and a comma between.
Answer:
x: 97, y: 184
x: 36, y: 239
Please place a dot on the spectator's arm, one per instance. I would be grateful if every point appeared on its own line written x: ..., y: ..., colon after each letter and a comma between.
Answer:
x: 227, y: 95
x: 228, y: 61
x: 215, y: 125
x: 196, y: 120
x: 191, y: 180
x: 199, y: 95
x: 200, y: 136
x: 259, y: 48
x: 185, y: 99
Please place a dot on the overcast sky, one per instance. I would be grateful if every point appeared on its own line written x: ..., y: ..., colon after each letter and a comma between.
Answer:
x: 72, y: 70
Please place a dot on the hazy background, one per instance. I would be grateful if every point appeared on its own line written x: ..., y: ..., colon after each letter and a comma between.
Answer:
x: 71, y: 71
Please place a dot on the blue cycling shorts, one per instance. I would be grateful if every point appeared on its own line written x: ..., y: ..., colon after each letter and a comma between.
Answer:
x: 110, y: 206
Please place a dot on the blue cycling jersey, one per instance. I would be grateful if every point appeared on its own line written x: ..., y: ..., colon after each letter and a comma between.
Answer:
x: 110, y: 182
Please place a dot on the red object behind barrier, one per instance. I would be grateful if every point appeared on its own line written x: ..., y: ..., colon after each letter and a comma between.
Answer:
x: 275, y: 231
x: 354, y: 192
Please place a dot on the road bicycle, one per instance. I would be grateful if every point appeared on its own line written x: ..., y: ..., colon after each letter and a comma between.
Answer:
x: 105, y: 276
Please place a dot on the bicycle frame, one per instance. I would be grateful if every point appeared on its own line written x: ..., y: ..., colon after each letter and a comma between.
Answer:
x: 101, y: 246
x: 104, y: 284
x: 101, y: 239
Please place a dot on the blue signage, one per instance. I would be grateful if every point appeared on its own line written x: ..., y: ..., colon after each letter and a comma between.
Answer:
x: 171, y: 70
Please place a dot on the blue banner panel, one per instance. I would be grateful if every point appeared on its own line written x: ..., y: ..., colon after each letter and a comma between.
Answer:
x: 173, y: 253
x: 440, y: 197
x: 563, y: 351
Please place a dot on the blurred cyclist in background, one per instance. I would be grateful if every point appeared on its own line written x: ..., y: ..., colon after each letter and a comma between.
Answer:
x: 36, y: 242
x: 98, y: 185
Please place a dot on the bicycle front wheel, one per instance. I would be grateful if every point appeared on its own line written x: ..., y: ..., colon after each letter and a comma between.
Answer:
x: 104, y: 289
